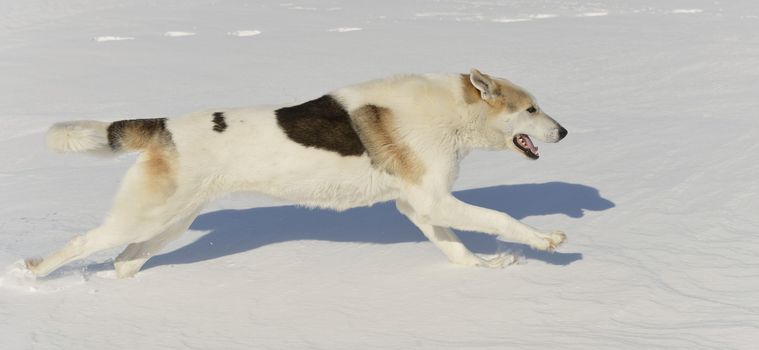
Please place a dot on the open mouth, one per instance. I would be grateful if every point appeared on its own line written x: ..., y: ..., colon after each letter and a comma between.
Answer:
x: 525, y: 145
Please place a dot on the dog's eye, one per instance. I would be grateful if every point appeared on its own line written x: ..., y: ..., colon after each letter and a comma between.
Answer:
x: 531, y: 110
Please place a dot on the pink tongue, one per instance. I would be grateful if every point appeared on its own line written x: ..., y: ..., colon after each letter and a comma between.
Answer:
x: 529, y: 144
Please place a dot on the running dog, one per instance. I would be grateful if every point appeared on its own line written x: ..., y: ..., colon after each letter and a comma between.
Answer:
x: 400, y: 139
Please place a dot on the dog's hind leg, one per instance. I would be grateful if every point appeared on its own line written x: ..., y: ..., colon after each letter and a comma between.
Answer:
x: 121, y: 227
x: 447, y: 241
x: 131, y: 260
x: 149, y: 202
x: 103, y: 237
x: 115, y: 231
x: 110, y: 234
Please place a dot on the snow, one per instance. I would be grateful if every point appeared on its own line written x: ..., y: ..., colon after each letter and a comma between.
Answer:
x: 178, y: 34
x: 656, y: 184
x: 687, y: 11
x: 344, y: 29
x: 244, y: 33
x: 113, y: 38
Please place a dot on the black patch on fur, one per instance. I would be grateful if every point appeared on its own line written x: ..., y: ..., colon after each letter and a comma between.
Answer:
x: 322, y: 123
x: 219, y: 124
x: 146, y: 127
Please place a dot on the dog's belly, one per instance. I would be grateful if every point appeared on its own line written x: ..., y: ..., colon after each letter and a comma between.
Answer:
x: 339, y: 185
x: 336, y: 196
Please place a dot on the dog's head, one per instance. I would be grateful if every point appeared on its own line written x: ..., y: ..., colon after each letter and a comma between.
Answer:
x: 513, y: 117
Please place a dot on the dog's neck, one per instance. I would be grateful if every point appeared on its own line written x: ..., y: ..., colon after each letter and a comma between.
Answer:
x: 474, y: 131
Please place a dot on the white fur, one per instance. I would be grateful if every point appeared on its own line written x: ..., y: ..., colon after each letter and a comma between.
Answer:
x: 78, y: 136
x: 254, y: 154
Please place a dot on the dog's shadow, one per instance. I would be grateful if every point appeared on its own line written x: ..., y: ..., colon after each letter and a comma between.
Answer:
x: 237, y: 231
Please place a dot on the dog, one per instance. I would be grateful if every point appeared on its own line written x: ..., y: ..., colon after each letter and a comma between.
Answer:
x: 400, y: 138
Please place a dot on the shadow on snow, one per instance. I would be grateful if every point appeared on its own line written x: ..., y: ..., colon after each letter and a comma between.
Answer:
x: 237, y: 231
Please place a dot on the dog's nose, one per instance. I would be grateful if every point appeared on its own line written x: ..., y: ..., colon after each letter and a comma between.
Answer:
x: 562, y: 133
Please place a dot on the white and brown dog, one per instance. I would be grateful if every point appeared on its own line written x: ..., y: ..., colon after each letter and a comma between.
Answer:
x: 398, y: 139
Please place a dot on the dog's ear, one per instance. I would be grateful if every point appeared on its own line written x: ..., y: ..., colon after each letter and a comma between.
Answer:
x: 487, y: 87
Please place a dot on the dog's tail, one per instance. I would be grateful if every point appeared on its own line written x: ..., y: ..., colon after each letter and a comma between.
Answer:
x: 103, y: 138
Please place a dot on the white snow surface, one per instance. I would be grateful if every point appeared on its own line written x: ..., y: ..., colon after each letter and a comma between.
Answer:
x: 656, y: 185
x: 243, y: 33
x: 178, y: 34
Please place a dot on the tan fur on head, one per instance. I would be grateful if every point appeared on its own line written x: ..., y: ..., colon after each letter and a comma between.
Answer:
x: 376, y: 130
x: 500, y: 94
x: 513, y: 97
x: 471, y: 94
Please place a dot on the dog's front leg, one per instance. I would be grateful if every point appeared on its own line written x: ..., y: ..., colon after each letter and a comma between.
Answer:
x: 443, y: 209
x: 449, y: 243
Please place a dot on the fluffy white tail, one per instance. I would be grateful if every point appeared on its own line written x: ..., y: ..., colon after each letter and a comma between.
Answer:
x: 80, y: 136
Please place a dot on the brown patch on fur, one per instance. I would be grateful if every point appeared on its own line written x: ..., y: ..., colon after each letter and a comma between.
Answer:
x: 219, y: 122
x: 471, y: 94
x: 505, y: 97
x: 138, y: 134
x: 512, y: 97
x: 322, y: 123
x: 386, y: 150
x: 159, y: 157
x: 159, y: 164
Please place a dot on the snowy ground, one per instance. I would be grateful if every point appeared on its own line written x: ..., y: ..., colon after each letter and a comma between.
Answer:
x: 656, y: 184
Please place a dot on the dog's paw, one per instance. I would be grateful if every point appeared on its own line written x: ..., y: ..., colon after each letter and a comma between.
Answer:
x: 557, y: 238
x: 549, y: 241
x: 32, y: 263
x: 499, y: 261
